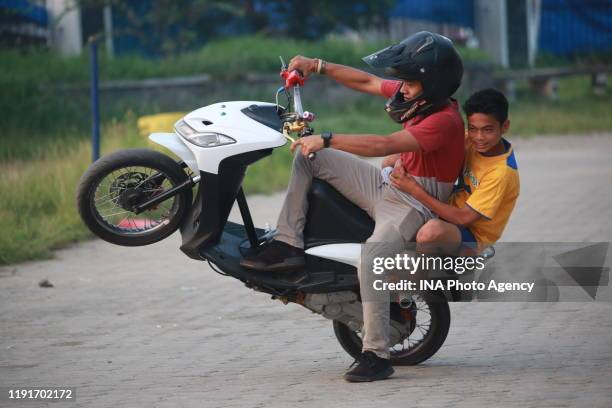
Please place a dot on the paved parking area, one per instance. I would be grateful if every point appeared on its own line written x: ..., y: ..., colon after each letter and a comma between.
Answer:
x: 148, y: 327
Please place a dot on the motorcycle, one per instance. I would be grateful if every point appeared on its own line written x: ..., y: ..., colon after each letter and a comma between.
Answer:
x: 137, y: 197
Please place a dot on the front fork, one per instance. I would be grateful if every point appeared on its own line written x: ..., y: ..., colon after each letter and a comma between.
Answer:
x: 189, y: 183
x: 240, y: 199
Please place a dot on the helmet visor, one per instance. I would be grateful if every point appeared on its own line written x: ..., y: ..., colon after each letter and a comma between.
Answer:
x: 386, y: 57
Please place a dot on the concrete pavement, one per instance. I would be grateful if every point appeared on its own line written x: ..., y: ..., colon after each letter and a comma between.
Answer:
x: 148, y: 327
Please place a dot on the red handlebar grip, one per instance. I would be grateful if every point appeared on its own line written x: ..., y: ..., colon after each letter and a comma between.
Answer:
x: 292, y: 78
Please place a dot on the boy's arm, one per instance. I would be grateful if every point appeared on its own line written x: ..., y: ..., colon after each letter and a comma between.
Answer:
x: 458, y: 216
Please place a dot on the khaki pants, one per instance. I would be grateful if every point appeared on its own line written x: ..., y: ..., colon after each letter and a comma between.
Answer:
x: 396, y: 222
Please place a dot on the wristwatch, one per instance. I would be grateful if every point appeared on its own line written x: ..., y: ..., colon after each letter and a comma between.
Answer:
x: 327, y: 137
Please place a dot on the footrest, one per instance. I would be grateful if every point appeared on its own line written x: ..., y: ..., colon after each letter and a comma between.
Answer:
x: 319, y: 279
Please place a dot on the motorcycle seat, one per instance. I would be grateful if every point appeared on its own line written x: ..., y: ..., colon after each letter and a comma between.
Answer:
x: 333, y: 219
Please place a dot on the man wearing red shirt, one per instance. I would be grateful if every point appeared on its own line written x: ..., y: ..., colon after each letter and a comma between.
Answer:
x: 430, y: 146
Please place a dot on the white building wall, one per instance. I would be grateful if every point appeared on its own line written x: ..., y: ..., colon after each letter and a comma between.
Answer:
x: 65, y: 26
x: 490, y: 20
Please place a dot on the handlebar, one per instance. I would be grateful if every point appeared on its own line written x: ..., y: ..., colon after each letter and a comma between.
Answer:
x: 294, y: 80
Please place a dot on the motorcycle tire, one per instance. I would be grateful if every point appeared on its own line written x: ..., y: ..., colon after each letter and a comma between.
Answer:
x: 350, y: 340
x: 120, y: 180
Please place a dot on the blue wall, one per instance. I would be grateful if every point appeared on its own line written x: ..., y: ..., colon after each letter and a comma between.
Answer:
x: 567, y: 27
x: 22, y: 10
x: 571, y: 27
x: 458, y: 12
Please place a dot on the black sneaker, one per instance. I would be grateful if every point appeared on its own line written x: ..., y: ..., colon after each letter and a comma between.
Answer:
x: 370, y: 368
x: 274, y: 257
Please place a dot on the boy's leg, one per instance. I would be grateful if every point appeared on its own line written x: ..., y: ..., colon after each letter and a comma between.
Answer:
x: 442, y: 237
x: 437, y: 230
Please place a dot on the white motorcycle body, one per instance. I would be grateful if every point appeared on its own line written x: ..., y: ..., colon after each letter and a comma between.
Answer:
x: 228, y: 119
x: 224, y: 118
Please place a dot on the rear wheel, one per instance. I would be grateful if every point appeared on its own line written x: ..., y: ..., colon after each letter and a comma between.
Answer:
x: 429, y: 327
x: 113, y: 185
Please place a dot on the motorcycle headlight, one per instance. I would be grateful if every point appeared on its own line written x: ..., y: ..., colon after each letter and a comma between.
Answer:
x: 210, y: 139
x: 205, y: 139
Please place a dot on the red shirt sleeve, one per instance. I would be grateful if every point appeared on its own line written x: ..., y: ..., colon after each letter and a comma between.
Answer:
x: 389, y: 87
x: 432, y: 131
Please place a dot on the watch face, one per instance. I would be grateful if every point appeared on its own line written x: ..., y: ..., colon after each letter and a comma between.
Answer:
x: 326, y: 138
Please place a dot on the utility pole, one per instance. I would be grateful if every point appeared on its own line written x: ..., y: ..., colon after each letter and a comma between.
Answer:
x: 94, y: 100
x: 491, y: 24
x: 108, y: 31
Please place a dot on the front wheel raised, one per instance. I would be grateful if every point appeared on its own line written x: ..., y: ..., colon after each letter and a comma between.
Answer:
x: 112, y: 186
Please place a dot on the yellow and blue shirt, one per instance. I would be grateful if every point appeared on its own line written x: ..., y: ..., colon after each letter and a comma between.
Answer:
x: 490, y: 186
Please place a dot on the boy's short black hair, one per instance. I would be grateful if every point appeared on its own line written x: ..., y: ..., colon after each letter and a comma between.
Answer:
x: 488, y: 101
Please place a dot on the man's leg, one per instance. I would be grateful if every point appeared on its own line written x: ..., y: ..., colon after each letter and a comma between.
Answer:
x: 396, y: 224
x: 357, y: 180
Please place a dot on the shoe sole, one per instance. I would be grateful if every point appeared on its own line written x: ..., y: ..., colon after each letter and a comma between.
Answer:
x: 381, y: 376
x: 288, y: 265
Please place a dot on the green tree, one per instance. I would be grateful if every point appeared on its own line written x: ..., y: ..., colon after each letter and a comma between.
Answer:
x: 167, y: 27
x: 314, y: 18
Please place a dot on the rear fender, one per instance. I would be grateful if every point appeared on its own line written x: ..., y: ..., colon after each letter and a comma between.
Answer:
x: 349, y: 254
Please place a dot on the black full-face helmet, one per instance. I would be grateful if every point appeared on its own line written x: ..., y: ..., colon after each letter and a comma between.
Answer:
x: 425, y: 57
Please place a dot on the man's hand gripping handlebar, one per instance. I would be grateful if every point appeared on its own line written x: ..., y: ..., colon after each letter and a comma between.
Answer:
x: 296, y: 121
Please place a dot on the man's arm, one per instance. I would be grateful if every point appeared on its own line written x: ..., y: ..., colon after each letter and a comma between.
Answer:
x: 350, y: 77
x: 362, y: 145
x: 354, y: 78
x: 376, y: 145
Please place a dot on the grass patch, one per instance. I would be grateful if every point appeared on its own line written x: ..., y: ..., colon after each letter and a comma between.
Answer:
x: 577, y: 110
x: 33, y: 118
x: 38, y: 210
x: 224, y: 58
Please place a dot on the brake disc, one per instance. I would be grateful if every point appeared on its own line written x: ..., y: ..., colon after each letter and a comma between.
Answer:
x: 127, y: 189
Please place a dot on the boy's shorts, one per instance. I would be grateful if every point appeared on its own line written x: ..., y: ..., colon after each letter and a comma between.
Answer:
x: 467, y: 238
